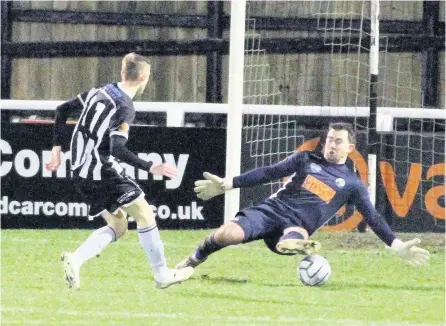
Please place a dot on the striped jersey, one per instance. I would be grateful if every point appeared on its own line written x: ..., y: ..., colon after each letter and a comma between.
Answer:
x: 106, y: 111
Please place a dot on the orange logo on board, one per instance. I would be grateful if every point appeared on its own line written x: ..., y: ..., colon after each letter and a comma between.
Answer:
x: 401, y: 204
x: 320, y: 189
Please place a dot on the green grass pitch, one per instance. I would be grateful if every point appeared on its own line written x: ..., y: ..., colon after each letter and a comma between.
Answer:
x: 240, y: 285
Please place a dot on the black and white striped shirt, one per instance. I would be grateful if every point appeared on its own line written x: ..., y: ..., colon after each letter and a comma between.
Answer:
x: 106, y: 111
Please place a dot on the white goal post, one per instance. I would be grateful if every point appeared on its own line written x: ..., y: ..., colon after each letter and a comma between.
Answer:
x: 235, y: 99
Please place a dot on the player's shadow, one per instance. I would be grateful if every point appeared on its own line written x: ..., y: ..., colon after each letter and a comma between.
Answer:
x: 219, y: 280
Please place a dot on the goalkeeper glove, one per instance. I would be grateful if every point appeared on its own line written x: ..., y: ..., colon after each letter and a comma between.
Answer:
x: 212, y: 186
x: 407, y: 250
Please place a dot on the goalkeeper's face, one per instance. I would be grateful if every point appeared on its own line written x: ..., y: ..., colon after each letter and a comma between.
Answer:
x: 337, y: 146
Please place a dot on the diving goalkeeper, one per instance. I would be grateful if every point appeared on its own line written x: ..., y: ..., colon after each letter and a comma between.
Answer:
x: 320, y: 184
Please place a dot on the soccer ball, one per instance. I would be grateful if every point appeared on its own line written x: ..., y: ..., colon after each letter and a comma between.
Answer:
x: 314, y: 270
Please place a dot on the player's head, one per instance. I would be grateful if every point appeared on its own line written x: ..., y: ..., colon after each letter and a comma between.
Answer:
x: 339, y: 143
x: 135, y: 71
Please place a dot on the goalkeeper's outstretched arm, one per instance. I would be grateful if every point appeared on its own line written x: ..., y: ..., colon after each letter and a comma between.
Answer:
x: 214, y: 185
x: 292, y: 164
x: 406, y: 250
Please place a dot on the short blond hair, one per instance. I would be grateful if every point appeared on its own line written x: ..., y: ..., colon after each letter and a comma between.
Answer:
x: 134, y: 66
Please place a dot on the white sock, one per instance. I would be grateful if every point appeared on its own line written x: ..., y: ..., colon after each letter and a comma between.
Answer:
x: 95, y: 243
x: 153, y: 246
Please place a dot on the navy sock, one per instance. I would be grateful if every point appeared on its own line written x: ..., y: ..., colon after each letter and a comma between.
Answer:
x: 292, y: 235
x: 208, y: 247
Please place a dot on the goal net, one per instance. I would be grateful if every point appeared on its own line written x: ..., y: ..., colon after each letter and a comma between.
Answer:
x: 302, y: 92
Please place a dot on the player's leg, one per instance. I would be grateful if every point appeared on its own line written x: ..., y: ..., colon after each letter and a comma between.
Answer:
x: 250, y: 224
x: 228, y: 234
x: 295, y: 241
x: 150, y: 240
x: 116, y: 227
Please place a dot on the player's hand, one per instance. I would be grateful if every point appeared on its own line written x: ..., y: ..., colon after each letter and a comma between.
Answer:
x: 165, y: 169
x: 212, y: 186
x: 54, y: 161
x: 407, y: 250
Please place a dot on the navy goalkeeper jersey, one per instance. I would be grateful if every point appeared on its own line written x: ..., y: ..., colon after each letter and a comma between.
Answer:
x: 315, y: 190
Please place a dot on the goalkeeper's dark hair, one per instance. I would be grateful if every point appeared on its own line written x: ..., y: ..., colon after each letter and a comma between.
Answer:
x: 344, y: 126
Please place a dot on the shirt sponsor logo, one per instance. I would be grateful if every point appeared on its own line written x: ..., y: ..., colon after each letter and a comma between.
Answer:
x: 319, y: 188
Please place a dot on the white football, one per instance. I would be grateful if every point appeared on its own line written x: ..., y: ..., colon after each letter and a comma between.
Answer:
x: 314, y: 270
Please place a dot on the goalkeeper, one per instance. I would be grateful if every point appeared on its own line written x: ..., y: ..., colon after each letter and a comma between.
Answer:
x: 319, y: 185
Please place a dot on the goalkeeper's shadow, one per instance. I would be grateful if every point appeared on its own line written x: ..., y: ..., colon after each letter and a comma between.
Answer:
x: 240, y: 294
x: 330, y: 286
x: 336, y: 286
